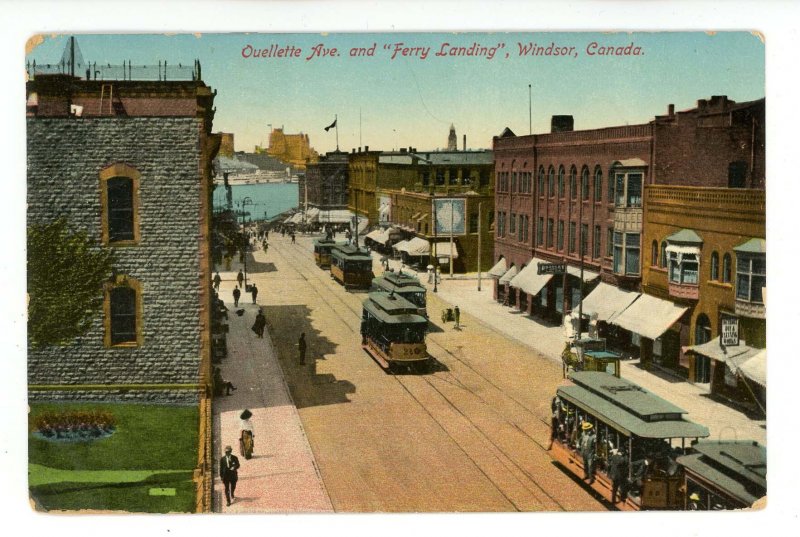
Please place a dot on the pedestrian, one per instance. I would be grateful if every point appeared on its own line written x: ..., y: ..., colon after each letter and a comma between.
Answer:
x: 264, y: 245
x: 301, y: 347
x: 457, y: 315
x: 220, y: 385
x: 236, y: 294
x: 240, y: 278
x: 228, y: 260
x: 229, y: 472
x: 587, y: 445
x: 618, y: 472
x: 217, y: 281
x: 555, y: 420
x: 254, y: 292
x: 246, y: 429
x: 259, y: 324
x: 293, y: 241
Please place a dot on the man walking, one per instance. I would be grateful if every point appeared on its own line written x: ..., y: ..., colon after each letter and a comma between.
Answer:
x: 236, y: 294
x: 229, y: 473
x: 587, y: 446
x: 301, y: 347
x: 254, y: 292
x: 457, y: 316
x: 240, y: 278
x: 259, y: 324
x: 217, y: 281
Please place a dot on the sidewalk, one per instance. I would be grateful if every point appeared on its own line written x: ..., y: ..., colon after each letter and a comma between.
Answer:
x: 723, y: 422
x: 282, y: 476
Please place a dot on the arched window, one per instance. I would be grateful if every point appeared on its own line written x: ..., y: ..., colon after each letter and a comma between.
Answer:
x: 598, y: 184
x: 561, y: 181
x: 585, y: 183
x: 663, y: 263
x: 551, y: 182
x: 122, y: 306
x: 654, y: 254
x: 715, y: 266
x: 541, y: 180
x: 726, y: 268
x: 119, y: 185
x: 702, y: 329
x: 573, y: 182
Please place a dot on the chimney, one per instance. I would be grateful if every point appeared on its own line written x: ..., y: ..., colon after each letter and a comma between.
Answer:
x: 671, y: 110
x: 403, y: 150
x: 562, y: 124
x: 359, y: 149
x: 366, y: 149
x: 465, y: 142
x: 701, y: 103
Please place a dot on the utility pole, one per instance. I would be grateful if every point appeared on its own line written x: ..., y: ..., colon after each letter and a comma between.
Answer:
x: 530, y: 113
x: 452, y: 211
x: 581, y: 253
x: 480, y: 206
x: 435, y: 257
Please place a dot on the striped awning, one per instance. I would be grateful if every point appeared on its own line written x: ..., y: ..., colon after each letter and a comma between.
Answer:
x: 529, y: 280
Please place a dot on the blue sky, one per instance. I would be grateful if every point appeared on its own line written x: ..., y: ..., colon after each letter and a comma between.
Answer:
x: 409, y: 101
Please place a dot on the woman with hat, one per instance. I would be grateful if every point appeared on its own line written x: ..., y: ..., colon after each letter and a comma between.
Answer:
x: 246, y: 437
x: 587, y: 446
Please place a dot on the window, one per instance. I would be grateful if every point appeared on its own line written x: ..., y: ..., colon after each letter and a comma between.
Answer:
x: 585, y: 183
x: 626, y: 253
x: 440, y: 177
x: 584, y: 239
x: 119, y: 185
x: 726, y: 268
x: 571, y: 237
x: 527, y: 226
x: 484, y: 178
x: 628, y: 189
x: 551, y: 182
x: 702, y: 329
x: 683, y: 268
x: 465, y: 177
x: 426, y: 178
x: 521, y: 229
x: 611, y: 181
x: 598, y: 184
x: 596, y: 248
x: 473, y: 223
x: 715, y: 266
x: 663, y: 254
x: 549, y: 232
x: 654, y: 254
x: 453, y: 176
x: 737, y: 174
x: 561, y: 181
x: 529, y: 182
x: 751, y: 277
x: 560, y: 234
x: 122, y: 306
x: 618, y: 252
x: 513, y: 181
x: 540, y: 232
x: 573, y: 183
x: 609, y: 242
x: 541, y: 181
x: 500, y: 223
x: 512, y: 224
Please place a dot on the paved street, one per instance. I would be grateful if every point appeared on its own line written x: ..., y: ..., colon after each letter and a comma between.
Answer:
x: 469, y: 436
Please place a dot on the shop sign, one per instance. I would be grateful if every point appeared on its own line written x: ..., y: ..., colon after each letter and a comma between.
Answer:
x: 551, y: 268
x: 729, y: 331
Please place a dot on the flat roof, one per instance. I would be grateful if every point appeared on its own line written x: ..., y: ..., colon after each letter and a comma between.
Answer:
x: 351, y: 253
x: 737, y: 467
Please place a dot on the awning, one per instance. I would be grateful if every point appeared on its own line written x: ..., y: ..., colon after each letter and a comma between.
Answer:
x: 374, y: 234
x: 608, y: 301
x: 415, y: 216
x: 685, y: 236
x: 733, y: 356
x: 753, y: 246
x: 363, y: 224
x: 443, y: 250
x: 401, y: 246
x: 509, y: 274
x: 418, y: 247
x: 422, y: 217
x: 498, y: 269
x: 755, y: 368
x: 588, y: 275
x: 383, y: 237
x: 649, y: 316
x: 528, y: 280
x: 682, y: 249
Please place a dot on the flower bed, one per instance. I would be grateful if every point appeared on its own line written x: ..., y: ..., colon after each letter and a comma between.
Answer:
x: 74, y: 426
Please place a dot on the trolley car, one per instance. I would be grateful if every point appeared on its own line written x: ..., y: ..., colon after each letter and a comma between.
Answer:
x: 590, y: 354
x: 393, y: 333
x: 645, y: 433
x: 351, y: 267
x: 322, y: 251
x: 404, y: 285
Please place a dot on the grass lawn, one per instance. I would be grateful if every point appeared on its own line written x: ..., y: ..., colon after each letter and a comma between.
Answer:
x: 153, y: 447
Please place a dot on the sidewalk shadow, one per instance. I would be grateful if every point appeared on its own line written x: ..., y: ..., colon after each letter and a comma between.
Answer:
x: 308, y: 388
x: 254, y: 266
x: 663, y: 375
x: 752, y: 412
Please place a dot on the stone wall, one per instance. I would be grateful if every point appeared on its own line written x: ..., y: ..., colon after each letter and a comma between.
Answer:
x: 65, y: 157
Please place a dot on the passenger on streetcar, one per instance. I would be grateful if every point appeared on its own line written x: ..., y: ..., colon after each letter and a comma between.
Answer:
x: 587, y: 447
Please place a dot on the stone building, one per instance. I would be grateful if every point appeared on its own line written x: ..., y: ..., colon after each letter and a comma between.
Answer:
x: 569, y: 196
x: 327, y: 182
x: 293, y: 149
x: 129, y: 162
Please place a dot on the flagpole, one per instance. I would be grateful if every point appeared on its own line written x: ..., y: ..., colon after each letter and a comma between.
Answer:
x: 336, y: 122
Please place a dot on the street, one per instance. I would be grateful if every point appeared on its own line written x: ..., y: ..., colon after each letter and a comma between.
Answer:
x: 470, y: 435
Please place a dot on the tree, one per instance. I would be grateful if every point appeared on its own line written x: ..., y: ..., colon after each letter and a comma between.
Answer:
x: 66, y: 272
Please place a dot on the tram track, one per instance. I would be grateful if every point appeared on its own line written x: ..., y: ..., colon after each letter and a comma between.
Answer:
x: 436, y: 382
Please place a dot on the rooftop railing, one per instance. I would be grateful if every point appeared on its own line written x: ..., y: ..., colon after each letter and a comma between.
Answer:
x: 163, y: 71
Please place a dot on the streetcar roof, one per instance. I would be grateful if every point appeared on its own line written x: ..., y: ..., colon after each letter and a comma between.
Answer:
x: 411, y: 286
x: 328, y: 242
x: 400, y: 279
x: 351, y: 253
x: 737, y: 467
x: 628, y: 407
x: 395, y: 310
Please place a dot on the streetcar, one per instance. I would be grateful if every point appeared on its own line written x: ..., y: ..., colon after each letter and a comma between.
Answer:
x: 645, y: 433
x: 590, y: 354
x: 404, y: 285
x: 322, y: 251
x: 393, y: 333
x: 351, y: 267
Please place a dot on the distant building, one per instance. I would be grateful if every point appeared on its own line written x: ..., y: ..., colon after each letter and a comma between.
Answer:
x: 226, y: 147
x: 452, y: 140
x: 327, y: 182
x: 129, y: 162
x: 293, y: 149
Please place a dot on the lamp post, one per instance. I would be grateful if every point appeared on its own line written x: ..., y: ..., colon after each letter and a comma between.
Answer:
x: 245, y: 241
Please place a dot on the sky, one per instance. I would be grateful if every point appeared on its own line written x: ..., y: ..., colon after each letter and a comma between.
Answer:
x: 391, y: 99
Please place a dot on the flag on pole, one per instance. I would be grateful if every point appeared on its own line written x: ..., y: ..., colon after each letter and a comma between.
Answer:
x: 329, y: 127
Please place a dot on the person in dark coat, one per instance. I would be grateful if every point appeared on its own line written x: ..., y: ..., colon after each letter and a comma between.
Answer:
x: 221, y: 385
x: 229, y: 473
x: 618, y: 472
x: 301, y: 347
x: 587, y: 448
x: 254, y: 292
x: 217, y: 281
x: 259, y: 324
x: 240, y: 278
x: 236, y: 294
x: 457, y: 316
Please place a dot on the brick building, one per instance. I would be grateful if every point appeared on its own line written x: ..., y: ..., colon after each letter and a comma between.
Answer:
x: 327, y: 181
x: 568, y: 191
x: 130, y: 163
x: 293, y: 149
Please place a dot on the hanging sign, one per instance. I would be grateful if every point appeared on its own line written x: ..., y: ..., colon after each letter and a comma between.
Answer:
x: 729, y: 331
